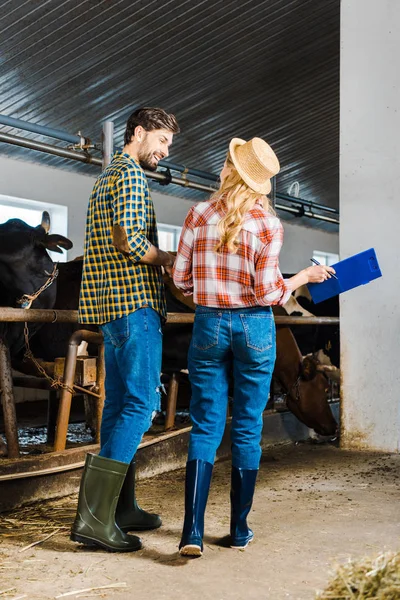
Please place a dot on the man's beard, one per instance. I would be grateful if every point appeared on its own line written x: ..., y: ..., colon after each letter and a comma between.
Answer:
x: 146, y: 160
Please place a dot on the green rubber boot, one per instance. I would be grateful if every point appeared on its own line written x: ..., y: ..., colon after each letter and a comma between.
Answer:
x: 129, y: 516
x: 94, y: 523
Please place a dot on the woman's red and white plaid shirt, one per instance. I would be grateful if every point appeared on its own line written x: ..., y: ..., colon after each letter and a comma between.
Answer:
x: 251, y: 277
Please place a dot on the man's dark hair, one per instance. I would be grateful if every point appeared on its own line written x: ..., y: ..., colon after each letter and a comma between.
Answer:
x: 150, y: 119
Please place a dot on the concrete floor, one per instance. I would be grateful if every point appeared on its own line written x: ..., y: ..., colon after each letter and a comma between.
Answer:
x: 315, y: 505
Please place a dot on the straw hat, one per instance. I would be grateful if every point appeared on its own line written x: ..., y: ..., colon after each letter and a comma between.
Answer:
x: 256, y: 163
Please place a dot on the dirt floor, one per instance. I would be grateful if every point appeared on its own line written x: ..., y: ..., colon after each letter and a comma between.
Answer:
x: 315, y: 505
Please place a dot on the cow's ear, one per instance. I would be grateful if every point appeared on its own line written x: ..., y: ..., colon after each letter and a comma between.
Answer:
x: 308, y: 368
x: 55, y: 243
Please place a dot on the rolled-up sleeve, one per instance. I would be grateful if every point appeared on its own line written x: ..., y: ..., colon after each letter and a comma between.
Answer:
x: 182, y: 271
x: 129, y: 218
x: 269, y: 287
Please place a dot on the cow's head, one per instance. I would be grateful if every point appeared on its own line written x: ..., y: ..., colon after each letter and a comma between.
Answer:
x: 306, y: 386
x: 308, y: 398
x: 25, y: 266
x: 23, y: 253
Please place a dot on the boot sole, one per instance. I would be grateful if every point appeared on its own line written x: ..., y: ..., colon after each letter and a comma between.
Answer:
x: 190, y: 550
x: 81, y: 539
x: 242, y: 547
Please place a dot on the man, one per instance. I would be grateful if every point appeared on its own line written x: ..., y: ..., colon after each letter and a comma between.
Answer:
x: 122, y: 291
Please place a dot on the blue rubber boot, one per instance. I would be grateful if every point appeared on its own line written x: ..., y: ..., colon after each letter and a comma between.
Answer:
x: 197, y: 485
x: 243, y: 483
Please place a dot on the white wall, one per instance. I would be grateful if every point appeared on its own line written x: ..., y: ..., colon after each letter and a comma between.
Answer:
x: 37, y: 182
x: 370, y: 216
x: 46, y: 184
x: 299, y: 244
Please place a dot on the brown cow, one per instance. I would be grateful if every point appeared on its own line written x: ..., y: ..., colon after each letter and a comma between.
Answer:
x: 305, y: 386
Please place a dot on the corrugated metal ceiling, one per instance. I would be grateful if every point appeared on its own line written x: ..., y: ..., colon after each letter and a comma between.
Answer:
x: 226, y: 68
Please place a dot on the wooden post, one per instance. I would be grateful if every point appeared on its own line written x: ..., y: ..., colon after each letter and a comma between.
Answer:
x: 172, y: 396
x: 7, y: 397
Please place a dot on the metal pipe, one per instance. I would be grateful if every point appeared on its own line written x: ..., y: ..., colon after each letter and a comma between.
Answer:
x: 273, y: 192
x: 37, y: 315
x: 182, y: 169
x: 82, y: 335
x: 46, y: 315
x: 64, y: 409
x: 7, y: 397
x: 311, y: 204
x: 306, y: 213
x: 109, y: 126
x: 182, y: 182
x: 49, y: 149
x: 107, y: 142
x: 87, y: 158
x: 76, y: 139
x: 47, y: 131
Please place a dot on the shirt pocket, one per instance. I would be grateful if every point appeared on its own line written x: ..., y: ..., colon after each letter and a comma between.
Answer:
x: 206, y: 330
x: 259, y: 331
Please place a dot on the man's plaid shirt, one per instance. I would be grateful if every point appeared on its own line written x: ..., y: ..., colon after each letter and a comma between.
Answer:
x: 114, y: 283
x: 251, y: 277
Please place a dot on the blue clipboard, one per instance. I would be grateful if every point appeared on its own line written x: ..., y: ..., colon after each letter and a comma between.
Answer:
x: 351, y: 272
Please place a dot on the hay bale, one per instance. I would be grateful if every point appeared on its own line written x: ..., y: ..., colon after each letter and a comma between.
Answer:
x: 375, y: 578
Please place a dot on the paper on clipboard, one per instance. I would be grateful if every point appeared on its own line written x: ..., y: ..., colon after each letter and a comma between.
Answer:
x: 351, y: 272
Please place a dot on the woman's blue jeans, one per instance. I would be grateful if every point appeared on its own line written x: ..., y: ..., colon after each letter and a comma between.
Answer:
x: 133, y: 349
x: 239, y: 342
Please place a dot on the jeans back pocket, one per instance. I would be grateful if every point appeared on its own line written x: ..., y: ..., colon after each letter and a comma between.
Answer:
x: 206, y: 330
x: 259, y: 330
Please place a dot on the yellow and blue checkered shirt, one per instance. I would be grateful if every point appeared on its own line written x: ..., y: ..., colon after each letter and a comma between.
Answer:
x: 114, y: 283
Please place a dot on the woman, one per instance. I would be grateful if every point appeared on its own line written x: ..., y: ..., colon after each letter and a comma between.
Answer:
x: 228, y: 259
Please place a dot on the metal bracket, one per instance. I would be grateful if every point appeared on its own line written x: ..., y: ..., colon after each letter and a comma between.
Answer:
x: 84, y: 144
x: 168, y: 177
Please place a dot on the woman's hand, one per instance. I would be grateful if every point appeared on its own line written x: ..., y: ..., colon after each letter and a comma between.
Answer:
x: 318, y: 273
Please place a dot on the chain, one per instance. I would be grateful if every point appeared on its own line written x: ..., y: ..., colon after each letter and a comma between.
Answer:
x: 54, y: 383
x: 26, y: 303
x: 27, y: 299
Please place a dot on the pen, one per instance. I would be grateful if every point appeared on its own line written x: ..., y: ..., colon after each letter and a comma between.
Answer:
x: 319, y: 264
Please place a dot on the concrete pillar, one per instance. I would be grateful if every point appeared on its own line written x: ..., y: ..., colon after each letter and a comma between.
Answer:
x: 370, y: 217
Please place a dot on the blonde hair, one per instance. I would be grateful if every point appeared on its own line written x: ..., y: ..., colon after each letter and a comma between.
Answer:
x: 239, y: 198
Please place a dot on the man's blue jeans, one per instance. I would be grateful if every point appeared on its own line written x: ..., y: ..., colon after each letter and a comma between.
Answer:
x: 240, y: 342
x: 133, y: 349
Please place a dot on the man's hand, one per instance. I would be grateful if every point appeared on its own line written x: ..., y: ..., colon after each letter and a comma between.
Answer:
x: 168, y: 269
x: 155, y: 256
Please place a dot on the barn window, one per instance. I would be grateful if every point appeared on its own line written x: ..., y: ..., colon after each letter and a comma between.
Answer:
x: 168, y: 236
x: 31, y: 211
x: 326, y: 258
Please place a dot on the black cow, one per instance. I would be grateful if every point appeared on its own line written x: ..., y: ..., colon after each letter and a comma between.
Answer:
x: 25, y: 266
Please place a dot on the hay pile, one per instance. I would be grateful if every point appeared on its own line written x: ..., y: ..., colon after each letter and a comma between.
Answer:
x: 375, y: 578
x: 37, y: 521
